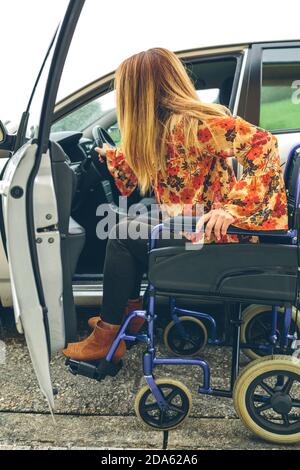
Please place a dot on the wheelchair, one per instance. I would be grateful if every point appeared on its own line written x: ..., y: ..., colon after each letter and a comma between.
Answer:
x: 263, y: 329
x: 266, y: 393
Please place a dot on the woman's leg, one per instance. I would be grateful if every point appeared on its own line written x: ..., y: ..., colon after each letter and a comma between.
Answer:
x: 125, y: 262
x: 126, y: 258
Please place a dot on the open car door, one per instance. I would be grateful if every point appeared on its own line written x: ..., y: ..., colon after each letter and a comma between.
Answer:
x: 42, y: 244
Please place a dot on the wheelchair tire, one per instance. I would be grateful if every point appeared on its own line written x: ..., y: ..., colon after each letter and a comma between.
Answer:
x: 194, y: 341
x: 147, y: 409
x: 281, y: 423
x: 259, y: 313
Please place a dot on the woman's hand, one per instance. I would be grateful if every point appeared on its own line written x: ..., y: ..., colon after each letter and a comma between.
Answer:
x: 102, y: 151
x: 217, y: 220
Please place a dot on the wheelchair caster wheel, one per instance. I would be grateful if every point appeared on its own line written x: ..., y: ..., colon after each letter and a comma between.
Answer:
x: 187, y: 339
x: 266, y: 397
x: 178, y: 398
x: 256, y: 328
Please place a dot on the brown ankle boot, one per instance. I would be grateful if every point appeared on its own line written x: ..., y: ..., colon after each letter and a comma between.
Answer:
x: 92, y: 322
x: 97, y: 345
x: 135, y: 324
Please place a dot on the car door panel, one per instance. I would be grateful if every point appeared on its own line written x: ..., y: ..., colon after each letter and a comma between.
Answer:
x: 36, y: 236
x: 49, y: 251
x: 30, y: 315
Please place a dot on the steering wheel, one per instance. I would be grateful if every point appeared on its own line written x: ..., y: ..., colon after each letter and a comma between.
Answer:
x: 91, y: 168
x: 101, y: 136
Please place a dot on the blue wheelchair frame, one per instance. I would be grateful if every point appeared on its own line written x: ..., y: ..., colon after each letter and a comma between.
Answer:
x: 150, y: 360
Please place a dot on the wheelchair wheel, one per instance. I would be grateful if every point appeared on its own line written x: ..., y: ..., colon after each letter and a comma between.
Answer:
x: 256, y: 327
x: 266, y: 397
x: 191, y: 342
x: 179, y: 401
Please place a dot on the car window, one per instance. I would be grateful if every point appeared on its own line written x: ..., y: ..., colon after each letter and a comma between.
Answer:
x: 280, y: 91
x: 86, y: 115
x: 212, y: 78
x: 115, y: 133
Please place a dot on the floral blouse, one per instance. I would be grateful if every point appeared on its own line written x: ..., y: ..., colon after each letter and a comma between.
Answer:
x: 257, y: 200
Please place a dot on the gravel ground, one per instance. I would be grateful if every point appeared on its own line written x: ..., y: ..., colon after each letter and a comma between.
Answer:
x: 92, y: 414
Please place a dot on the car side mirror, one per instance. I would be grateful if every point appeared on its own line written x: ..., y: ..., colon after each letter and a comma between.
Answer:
x: 7, y: 141
x: 3, y: 132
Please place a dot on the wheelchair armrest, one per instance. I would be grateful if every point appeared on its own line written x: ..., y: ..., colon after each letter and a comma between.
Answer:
x: 188, y: 224
x: 256, y: 233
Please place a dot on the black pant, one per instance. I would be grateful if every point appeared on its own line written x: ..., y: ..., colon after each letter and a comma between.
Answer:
x: 126, y: 261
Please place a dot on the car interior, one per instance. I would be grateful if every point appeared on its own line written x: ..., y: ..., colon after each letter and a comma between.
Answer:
x: 92, y: 183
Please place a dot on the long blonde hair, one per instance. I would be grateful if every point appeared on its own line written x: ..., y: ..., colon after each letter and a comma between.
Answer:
x: 154, y: 93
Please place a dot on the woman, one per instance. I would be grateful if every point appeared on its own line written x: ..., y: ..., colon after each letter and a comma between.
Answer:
x: 181, y: 148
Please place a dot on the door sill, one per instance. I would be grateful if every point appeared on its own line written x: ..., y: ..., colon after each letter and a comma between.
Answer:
x: 90, y: 292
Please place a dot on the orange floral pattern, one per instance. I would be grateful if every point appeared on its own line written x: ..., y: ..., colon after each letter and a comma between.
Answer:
x: 257, y: 200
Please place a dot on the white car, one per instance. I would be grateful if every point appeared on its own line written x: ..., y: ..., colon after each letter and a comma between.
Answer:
x: 260, y: 82
x: 52, y: 184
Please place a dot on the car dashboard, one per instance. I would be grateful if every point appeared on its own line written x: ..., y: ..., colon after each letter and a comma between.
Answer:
x: 74, y: 145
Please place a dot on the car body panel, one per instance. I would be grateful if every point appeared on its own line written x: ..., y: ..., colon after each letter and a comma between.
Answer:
x: 285, y: 144
x: 31, y: 224
x: 5, y: 287
x: 28, y: 312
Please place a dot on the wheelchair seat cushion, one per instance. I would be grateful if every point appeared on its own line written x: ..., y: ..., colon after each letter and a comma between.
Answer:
x: 247, y: 271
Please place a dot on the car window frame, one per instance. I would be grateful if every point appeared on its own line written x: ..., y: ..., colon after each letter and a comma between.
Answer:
x: 89, y: 93
x: 250, y: 104
x: 237, y: 74
x: 218, y: 57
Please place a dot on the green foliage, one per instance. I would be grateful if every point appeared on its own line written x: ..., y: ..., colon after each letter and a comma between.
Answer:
x: 278, y: 110
x: 280, y: 115
x: 276, y: 93
x: 115, y: 134
x: 79, y: 119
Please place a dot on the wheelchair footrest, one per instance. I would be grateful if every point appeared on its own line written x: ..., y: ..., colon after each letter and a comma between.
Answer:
x: 96, y: 370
